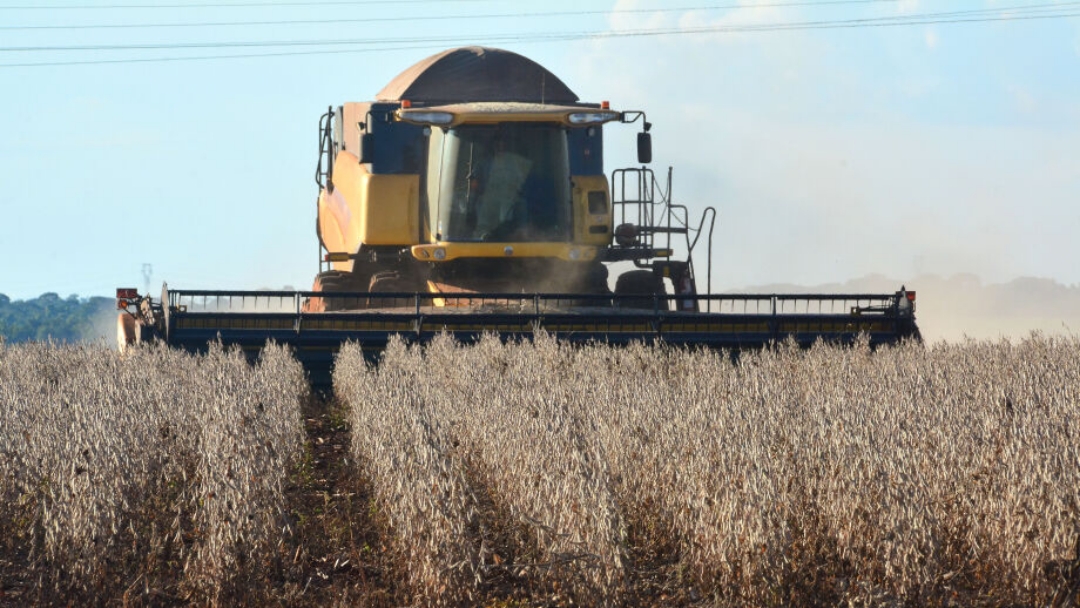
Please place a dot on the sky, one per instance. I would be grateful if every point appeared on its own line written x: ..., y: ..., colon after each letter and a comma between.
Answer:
x: 834, y: 141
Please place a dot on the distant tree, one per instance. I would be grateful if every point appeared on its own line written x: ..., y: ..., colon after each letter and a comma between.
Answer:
x: 48, y: 317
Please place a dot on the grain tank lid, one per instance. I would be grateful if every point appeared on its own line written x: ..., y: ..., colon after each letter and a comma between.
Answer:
x: 477, y: 74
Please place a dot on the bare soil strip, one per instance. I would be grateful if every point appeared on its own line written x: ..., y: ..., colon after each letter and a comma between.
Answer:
x: 339, y: 557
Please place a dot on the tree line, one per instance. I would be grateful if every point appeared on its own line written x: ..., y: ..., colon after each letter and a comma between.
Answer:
x: 50, y: 317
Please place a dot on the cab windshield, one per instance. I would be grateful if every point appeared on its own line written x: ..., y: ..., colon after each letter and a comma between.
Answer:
x: 501, y: 183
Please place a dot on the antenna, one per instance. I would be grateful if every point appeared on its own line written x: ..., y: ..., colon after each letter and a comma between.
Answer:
x: 543, y: 87
x: 147, y: 273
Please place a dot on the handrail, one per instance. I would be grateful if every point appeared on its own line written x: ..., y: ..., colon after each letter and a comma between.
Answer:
x: 291, y: 302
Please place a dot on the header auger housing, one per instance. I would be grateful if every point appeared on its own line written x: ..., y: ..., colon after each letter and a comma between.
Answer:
x: 470, y: 197
x: 192, y: 319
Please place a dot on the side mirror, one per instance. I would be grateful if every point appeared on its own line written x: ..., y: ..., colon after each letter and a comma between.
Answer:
x: 367, y: 145
x: 644, y: 148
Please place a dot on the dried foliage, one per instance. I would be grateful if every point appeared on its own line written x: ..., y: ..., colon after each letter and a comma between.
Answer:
x: 947, y: 475
x: 543, y: 474
x: 154, y: 477
x: 460, y: 469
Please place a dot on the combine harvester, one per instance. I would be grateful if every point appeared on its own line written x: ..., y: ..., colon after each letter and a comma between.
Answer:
x: 471, y: 198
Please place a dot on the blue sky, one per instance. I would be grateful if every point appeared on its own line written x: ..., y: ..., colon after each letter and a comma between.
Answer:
x: 830, y: 153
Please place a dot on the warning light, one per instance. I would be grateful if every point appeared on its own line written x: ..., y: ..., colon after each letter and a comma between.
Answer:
x: 605, y: 105
x: 406, y: 104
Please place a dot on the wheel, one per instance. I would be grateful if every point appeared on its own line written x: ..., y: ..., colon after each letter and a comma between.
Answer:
x: 593, y: 281
x: 127, y: 331
x: 390, y: 281
x: 643, y: 283
x: 596, y: 280
x: 130, y: 331
x: 333, y: 281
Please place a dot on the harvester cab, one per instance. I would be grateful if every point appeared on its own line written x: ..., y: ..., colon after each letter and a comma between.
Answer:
x: 471, y: 197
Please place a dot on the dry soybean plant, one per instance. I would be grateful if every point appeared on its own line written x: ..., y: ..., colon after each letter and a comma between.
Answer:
x: 941, y: 475
x: 419, y: 480
x: 478, y: 488
x: 148, y: 476
x: 537, y: 459
x: 251, y: 430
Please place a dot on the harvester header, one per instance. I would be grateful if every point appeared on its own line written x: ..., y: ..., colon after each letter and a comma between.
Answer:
x: 471, y: 197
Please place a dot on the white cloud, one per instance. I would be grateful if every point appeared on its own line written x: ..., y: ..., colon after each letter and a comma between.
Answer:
x: 1023, y: 99
x: 747, y: 13
x: 930, y: 35
x: 626, y: 21
x: 906, y: 7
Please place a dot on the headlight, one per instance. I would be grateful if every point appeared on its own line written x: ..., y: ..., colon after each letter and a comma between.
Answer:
x: 575, y: 254
x: 426, y: 118
x: 439, y: 254
x: 591, y: 118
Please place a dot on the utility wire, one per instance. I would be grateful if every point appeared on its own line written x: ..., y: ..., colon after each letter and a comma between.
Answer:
x: 230, y: 56
x: 911, y: 20
x: 919, y: 19
x: 518, y: 15
x: 426, y: 42
x: 57, y: 7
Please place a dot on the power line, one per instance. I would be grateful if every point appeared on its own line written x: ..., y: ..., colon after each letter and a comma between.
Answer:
x: 941, y: 17
x: 855, y: 23
x: 517, y: 15
x: 230, y: 56
x: 262, y: 44
x: 427, y: 42
x: 55, y: 7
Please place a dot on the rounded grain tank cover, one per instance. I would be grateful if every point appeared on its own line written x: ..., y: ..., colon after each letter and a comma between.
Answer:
x: 476, y: 74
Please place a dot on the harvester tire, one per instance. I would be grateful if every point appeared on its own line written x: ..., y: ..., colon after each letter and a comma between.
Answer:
x: 389, y: 281
x: 130, y: 332
x: 333, y: 281
x: 641, y: 283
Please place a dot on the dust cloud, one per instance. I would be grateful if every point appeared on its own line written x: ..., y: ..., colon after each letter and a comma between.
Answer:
x: 962, y: 306
x: 103, y: 329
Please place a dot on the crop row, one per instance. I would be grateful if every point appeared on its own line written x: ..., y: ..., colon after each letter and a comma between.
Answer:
x: 922, y: 475
x: 943, y: 475
x: 156, y: 475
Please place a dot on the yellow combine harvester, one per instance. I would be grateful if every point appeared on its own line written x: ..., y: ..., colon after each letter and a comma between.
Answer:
x: 477, y: 170
x: 471, y: 197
